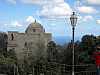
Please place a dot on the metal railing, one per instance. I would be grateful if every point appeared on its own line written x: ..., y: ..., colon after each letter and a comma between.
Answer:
x: 86, y: 73
x: 59, y: 69
x: 63, y: 69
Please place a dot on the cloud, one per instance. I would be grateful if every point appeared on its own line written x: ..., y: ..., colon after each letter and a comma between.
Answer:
x: 78, y: 3
x: 87, y: 9
x: 87, y: 18
x: 13, y: 24
x: 95, y: 2
x: 16, y: 24
x: 30, y: 19
x: 55, y: 9
x: 26, y: 1
x: 98, y: 21
x: 50, y: 8
x: 31, y: 1
x: 12, y: 1
x: 40, y: 2
x: 46, y: 1
x: 79, y: 17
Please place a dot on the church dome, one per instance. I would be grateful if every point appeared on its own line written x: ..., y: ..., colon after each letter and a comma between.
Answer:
x: 35, y: 24
x: 34, y: 27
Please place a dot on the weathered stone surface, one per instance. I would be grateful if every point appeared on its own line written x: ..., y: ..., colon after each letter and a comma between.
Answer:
x: 29, y: 42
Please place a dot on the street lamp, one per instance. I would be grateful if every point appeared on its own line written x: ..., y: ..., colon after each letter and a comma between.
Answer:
x: 73, y: 20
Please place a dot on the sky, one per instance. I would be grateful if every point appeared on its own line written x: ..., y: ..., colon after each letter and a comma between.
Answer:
x: 16, y: 15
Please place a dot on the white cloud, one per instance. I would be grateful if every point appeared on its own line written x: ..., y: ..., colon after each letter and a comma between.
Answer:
x: 30, y: 19
x: 57, y: 8
x: 13, y: 24
x: 87, y: 18
x: 96, y: 2
x: 12, y: 1
x: 98, y: 21
x: 16, y: 24
x: 40, y: 2
x: 6, y: 24
x: 87, y: 9
x: 31, y: 1
x: 26, y: 1
x: 78, y: 3
x: 58, y: 1
x: 79, y: 18
x: 50, y: 8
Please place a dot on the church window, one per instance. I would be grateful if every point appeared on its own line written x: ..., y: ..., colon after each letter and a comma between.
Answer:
x: 34, y: 30
x: 12, y: 37
x: 25, y: 44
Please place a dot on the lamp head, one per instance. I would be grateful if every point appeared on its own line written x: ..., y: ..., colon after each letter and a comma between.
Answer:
x: 73, y: 19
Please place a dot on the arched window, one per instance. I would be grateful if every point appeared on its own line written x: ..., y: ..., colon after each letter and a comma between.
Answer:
x: 12, y: 36
x: 34, y: 30
x: 25, y: 44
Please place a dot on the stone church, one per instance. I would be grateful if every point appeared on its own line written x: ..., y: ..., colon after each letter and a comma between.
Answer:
x: 28, y: 43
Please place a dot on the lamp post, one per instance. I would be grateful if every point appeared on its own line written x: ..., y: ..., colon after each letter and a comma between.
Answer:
x: 73, y: 20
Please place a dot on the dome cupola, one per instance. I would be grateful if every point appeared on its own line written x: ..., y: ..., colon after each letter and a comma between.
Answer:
x: 34, y: 27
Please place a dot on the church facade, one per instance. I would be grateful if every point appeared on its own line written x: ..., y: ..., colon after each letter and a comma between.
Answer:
x: 30, y: 42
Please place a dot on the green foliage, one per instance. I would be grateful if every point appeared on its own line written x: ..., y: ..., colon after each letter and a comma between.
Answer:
x: 87, y: 47
x: 32, y: 59
x: 3, y: 44
x: 83, y: 50
x: 11, y: 54
x: 6, y: 57
x: 84, y: 57
x: 7, y: 61
x: 52, y: 52
x: 67, y: 54
x: 55, y: 53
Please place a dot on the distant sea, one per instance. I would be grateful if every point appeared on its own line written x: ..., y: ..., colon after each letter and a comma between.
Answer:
x: 63, y: 39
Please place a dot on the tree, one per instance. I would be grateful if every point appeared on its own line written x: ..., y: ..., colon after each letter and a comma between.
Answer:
x: 60, y: 53
x: 7, y: 58
x: 98, y: 40
x: 87, y: 47
x: 11, y: 54
x: 51, y: 52
x: 35, y: 54
x: 3, y: 44
x: 68, y: 53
